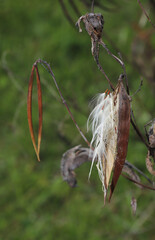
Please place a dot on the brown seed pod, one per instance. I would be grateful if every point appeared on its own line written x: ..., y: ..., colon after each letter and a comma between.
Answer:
x: 93, y: 24
x: 29, y: 109
x: 123, y: 133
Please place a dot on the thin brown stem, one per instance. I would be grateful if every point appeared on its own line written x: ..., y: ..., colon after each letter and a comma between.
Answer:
x: 140, y: 184
x: 76, y: 10
x: 138, y: 131
x: 92, y: 6
x: 139, y: 88
x: 110, y: 53
x: 119, y: 60
x: 65, y: 11
x: 125, y: 74
x: 47, y: 66
x: 101, y: 69
x: 130, y: 165
x: 140, y: 4
x: 127, y: 60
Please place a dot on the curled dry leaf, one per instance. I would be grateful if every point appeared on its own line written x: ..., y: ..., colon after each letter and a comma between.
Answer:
x: 72, y: 159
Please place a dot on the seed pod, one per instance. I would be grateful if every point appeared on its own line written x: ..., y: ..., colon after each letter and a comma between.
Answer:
x: 110, y: 127
x: 93, y: 24
x: 29, y: 109
x: 122, y: 134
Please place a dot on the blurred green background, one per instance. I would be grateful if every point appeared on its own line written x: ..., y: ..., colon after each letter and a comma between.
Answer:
x: 35, y: 203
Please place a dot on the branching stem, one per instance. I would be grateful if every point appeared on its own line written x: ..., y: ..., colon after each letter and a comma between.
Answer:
x: 140, y: 4
x: 47, y: 66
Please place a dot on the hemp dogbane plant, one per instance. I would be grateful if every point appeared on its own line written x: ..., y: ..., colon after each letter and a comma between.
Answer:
x: 109, y: 121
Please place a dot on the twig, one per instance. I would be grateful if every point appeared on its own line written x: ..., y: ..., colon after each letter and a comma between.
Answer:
x: 127, y: 60
x: 141, y: 184
x: 138, y: 170
x: 101, y: 69
x: 140, y: 4
x: 140, y: 86
x: 92, y: 6
x: 138, y: 131
x: 111, y: 54
x: 125, y: 74
x: 150, y: 122
x: 76, y: 10
x: 47, y: 66
x: 66, y: 13
x: 120, y: 61
x: 100, y: 5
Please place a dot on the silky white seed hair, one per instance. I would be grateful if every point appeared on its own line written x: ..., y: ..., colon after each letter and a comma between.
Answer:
x: 103, y: 121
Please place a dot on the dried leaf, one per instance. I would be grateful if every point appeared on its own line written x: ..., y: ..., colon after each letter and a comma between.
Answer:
x: 72, y: 159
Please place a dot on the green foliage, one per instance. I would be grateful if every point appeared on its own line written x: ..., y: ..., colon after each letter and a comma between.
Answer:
x: 35, y: 203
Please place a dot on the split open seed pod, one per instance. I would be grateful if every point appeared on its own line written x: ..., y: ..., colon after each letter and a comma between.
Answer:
x: 110, y: 122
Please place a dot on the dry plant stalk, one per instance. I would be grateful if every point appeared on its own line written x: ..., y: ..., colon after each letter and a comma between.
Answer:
x: 145, y: 13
